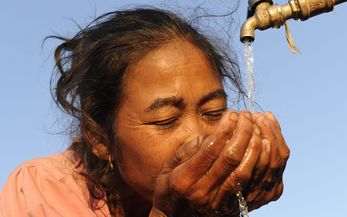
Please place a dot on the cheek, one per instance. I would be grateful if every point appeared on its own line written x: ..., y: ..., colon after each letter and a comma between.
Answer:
x: 141, y: 154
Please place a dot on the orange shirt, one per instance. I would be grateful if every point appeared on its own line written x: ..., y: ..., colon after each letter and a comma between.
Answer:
x: 49, y: 186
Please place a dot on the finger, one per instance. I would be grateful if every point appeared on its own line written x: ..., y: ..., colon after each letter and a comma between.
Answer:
x: 235, y: 149
x: 253, y: 195
x: 162, y: 197
x: 279, y: 191
x: 283, y: 148
x: 268, y: 135
x: 267, y: 196
x: 243, y: 172
x: 266, y: 188
x: 206, y: 186
x: 198, y: 164
x: 264, y: 158
x: 263, y: 162
x: 232, y: 153
x: 267, y: 132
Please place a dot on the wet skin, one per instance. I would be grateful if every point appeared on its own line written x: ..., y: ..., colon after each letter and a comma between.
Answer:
x: 177, y: 141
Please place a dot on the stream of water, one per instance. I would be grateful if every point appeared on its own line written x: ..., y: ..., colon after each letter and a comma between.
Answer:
x: 249, y: 61
x: 250, y: 104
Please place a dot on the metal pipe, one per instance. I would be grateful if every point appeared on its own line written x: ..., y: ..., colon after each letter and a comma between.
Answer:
x: 267, y: 15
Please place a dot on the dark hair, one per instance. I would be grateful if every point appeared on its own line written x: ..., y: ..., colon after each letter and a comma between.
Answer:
x: 91, y: 67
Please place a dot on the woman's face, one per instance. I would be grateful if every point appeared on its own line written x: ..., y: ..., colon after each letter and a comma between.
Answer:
x: 172, y: 95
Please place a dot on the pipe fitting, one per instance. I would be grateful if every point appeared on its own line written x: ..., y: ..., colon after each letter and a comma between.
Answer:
x: 267, y: 15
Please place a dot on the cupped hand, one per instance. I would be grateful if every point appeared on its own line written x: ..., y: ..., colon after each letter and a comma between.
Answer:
x: 246, y: 152
x: 267, y: 184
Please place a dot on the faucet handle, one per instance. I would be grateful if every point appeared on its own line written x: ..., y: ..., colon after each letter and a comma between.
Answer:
x: 252, y: 5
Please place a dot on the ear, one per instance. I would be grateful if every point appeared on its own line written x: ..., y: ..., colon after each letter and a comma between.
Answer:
x: 99, y: 149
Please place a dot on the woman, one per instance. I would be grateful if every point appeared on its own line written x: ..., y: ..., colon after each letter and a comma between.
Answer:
x: 154, y: 134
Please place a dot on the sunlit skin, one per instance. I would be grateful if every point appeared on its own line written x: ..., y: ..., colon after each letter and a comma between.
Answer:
x: 175, y: 135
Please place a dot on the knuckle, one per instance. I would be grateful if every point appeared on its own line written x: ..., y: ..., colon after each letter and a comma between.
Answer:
x: 286, y: 154
x: 242, y: 176
x: 255, y: 143
x: 279, y: 191
x: 277, y: 195
x: 272, y: 117
x: 226, y: 126
x: 231, y: 158
x: 224, y: 130
x: 247, y: 130
x: 187, y: 149
x: 179, y: 184
x: 256, y: 129
x: 209, y: 152
x: 229, y: 184
x: 199, y: 197
x: 246, y: 114
x: 275, y: 164
x: 261, y: 166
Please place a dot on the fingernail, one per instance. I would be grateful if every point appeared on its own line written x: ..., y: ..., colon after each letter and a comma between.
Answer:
x: 270, y: 116
x: 210, y: 140
x: 256, y: 129
x: 233, y: 116
x: 256, y: 114
x: 252, y: 196
x: 260, y: 116
x: 248, y: 115
x: 263, y: 119
x: 267, y: 145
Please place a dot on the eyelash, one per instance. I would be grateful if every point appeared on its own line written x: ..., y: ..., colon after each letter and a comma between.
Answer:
x: 171, y: 123
x: 167, y: 124
x: 214, y: 115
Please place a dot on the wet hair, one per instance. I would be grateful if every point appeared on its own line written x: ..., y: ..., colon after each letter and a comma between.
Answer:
x: 91, y: 68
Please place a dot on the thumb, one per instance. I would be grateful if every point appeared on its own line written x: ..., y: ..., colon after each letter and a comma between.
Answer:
x: 182, y: 154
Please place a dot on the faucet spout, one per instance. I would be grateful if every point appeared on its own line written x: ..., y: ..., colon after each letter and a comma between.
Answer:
x: 247, y: 30
x: 268, y: 15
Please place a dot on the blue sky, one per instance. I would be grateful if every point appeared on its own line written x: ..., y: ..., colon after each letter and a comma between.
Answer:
x: 307, y: 92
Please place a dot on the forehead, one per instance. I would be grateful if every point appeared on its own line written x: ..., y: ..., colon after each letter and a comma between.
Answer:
x: 177, y: 53
x: 173, y: 69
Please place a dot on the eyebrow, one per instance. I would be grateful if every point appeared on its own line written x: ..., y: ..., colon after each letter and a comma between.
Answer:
x: 164, y: 102
x: 179, y: 102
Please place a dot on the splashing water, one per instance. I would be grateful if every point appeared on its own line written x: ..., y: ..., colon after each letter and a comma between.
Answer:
x: 249, y: 61
x: 242, y: 205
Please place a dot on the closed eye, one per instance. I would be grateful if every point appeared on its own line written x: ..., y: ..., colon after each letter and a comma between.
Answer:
x: 214, y: 114
x: 165, y: 124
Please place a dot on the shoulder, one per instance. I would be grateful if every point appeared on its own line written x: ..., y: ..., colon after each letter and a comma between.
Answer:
x: 49, y: 186
x: 58, y: 166
x: 47, y: 172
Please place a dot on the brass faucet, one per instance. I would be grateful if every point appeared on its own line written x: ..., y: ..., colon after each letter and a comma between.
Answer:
x: 266, y: 15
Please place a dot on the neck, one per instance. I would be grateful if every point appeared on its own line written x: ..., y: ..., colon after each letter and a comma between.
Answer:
x: 130, y: 202
x: 136, y: 207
